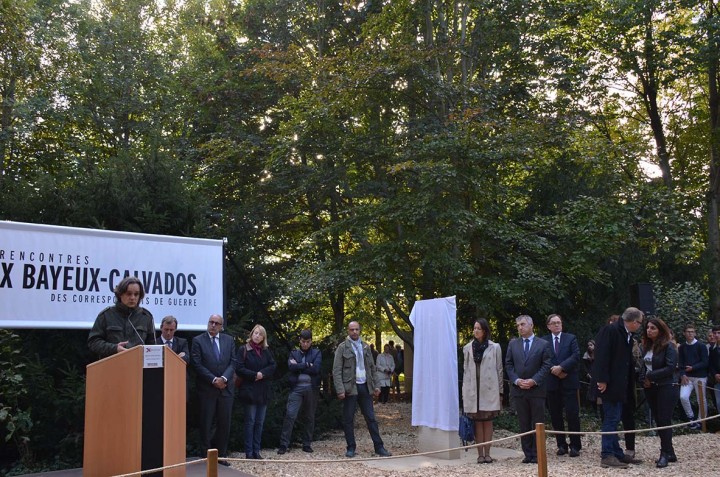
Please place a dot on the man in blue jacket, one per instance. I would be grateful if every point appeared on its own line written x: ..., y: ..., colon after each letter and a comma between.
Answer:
x: 304, y: 369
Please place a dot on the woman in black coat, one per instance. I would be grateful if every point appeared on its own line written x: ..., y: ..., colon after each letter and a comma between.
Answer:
x: 657, y: 376
x: 256, y: 367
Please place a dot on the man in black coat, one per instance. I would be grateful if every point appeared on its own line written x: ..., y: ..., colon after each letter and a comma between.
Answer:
x: 714, y: 366
x: 214, y: 359
x: 614, y: 372
x: 527, y: 364
x: 562, y: 385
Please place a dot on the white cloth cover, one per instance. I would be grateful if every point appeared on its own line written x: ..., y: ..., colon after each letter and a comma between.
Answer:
x: 435, y: 399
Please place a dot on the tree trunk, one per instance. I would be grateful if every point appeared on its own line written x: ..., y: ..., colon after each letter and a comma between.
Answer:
x: 713, y: 245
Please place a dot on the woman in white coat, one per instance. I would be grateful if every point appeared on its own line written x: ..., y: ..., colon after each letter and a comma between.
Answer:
x: 482, y: 385
x: 385, y: 365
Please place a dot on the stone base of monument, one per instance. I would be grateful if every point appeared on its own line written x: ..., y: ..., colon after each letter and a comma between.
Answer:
x: 430, y: 439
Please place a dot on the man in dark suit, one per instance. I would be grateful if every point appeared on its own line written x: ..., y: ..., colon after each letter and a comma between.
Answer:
x: 714, y: 366
x: 528, y: 364
x: 214, y: 359
x: 614, y: 372
x: 168, y: 327
x: 562, y: 385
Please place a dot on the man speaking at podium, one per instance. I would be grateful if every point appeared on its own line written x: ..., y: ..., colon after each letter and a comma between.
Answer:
x: 125, y: 325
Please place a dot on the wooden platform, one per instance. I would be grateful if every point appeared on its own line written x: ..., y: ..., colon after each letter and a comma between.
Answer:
x: 195, y: 470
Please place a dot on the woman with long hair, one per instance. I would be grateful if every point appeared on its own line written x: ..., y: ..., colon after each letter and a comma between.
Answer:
x: 256, y: 367
x: 482, y: 385
x: 660, y: 358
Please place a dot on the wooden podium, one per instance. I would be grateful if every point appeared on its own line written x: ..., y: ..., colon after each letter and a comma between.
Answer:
x: 135, y: 416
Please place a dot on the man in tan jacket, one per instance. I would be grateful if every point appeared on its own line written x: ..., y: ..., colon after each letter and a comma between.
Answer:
x: 356, y: 382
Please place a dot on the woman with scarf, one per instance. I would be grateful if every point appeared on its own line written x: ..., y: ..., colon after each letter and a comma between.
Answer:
x: 255, y: 368
x: 660, y: 357
x: 482, y: 385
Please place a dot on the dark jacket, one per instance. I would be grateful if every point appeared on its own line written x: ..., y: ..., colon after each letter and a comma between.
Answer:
x: 310, y: 366
x: 695, y: 355
x: 208, y: 366
x: 119, y: 323
x: 663, y: 367
x: 568, y: 359
x: 179, y: 345
x: 536, y: 366
x: 713, y: 364
x: 614, y: 362
x: 249, y: 363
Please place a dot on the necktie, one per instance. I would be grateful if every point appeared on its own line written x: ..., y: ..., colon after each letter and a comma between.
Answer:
x: 216, y: 347
x: 557, y: 345
x: 169, y: 344
x: 527, y: 346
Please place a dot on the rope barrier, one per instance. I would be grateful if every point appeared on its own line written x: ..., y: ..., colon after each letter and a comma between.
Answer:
x: 421, y: 454
x: 159, y: 469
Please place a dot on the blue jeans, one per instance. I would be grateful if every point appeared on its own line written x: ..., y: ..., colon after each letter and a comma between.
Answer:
x: 612, y: 412
x: 254, y: 420
x: 364, y: 400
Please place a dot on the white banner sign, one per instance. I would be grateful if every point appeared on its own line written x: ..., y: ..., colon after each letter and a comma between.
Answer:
x: 62, y: 277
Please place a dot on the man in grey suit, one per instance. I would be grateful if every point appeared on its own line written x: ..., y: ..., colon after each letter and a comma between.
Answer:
x: 214, y: 359
x: 527, y: 363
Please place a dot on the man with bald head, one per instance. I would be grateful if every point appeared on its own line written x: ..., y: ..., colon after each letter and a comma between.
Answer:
x: 356, y: 381
x: 214, y: 359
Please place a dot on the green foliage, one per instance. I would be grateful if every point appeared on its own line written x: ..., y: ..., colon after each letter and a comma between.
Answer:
x: 359, y: 156
x: 680, y: 304
x: 15, y: 421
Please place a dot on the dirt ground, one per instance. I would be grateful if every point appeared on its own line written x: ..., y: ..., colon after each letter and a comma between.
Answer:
x: 697, y: 455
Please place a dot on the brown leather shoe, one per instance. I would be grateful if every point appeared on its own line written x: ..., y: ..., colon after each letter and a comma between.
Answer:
x: 612, y: 462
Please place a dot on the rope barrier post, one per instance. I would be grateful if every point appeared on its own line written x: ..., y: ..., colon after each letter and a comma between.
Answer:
x: 541, y: 449
x: 212, y: 463
x: 702, y: 408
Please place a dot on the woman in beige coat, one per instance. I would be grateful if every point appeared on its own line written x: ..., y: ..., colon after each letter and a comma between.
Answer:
x: 482, y: 385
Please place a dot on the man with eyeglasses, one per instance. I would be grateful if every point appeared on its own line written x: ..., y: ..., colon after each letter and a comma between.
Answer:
x: 562, y: 385
x: 614, y: 372
x: 214, y: 358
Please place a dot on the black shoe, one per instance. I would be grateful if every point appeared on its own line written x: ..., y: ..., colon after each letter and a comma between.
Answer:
x: 350, y: 453
x: 527, y: 460
x: 382, y: 452
x: 630, y: 460
x: 224, y: 462
x: 662, y: 461
x: 282, y: 450
x: 562, y: 451
x: 574, y: 452
x: 257, y: 456
x: 671, y: 457
x: 307, y: 449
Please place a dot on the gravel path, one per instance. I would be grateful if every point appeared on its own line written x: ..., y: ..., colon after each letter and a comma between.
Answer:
x: 697, y: 455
